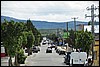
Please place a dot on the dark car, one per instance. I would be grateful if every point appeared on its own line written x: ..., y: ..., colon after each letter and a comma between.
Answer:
x: 52, y: 46
x: 38, y: 48
x: 57, y: 50
x: 35, y: 49
x: 67, y: 58
x: 48, y: 50
x: 55, y: 47
x: 44, y: 42
x: 61, y: 52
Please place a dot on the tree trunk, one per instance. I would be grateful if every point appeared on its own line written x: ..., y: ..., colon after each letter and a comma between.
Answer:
x: 28, y: 51
x: 10, y: 61
x: 16, y: 62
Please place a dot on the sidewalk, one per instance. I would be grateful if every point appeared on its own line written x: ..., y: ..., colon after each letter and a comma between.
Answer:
x: 4, y: 60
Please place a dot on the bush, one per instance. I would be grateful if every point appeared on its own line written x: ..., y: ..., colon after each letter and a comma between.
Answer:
x: 21, y: 57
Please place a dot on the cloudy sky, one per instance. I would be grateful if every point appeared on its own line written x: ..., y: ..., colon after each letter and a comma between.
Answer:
x: 60, y: 11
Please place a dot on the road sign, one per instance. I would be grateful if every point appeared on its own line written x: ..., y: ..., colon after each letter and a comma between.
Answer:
x: 65, y: 34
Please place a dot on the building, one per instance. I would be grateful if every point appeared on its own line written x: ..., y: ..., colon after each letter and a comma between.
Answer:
x: 96, y: 50
x: 3, y: 54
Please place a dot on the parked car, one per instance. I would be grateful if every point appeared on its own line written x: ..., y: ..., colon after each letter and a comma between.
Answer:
x: 35, y: 49
x: 55, y: 47
x: 62, y: 52
x: 67, y: 58
x: 48, y: 50
x: 38, y: 48
x: 52, y: 46
x: 44, y: 42
x: 57, y: 50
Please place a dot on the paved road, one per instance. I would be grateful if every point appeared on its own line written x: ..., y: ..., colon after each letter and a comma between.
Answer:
x: 45, y: 59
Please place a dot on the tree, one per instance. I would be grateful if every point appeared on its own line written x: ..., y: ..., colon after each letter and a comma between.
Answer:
x: 24, y: 36
x: 16, y: 35
x: 30, y: 41
x: 7, y: 38
x: 11, y: 33
x: 71, y: 39
x: 35, y: 32
x: 84, y: 40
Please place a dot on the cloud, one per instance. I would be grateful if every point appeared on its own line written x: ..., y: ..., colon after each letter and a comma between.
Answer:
x: 47, y: 10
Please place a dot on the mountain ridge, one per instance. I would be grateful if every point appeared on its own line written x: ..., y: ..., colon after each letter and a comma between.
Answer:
x: 45, y: 24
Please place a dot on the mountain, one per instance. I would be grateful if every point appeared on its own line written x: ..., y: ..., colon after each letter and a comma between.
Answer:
x: 46, y: 24
x: 11, y: 18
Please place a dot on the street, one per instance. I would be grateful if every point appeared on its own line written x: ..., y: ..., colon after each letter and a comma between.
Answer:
x: 45, y: 59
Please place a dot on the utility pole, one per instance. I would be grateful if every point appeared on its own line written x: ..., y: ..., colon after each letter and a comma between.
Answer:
x: 75, y: 23
x: 74, y: 29
x: 92, y: 21
x: 67, y: 26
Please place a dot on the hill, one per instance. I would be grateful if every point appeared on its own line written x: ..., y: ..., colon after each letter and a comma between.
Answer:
x: 46, y: 24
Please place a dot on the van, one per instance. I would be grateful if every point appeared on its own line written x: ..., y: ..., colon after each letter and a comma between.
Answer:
x: 78, y: 58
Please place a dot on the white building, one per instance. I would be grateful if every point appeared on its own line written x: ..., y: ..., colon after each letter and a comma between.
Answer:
x: 88, y: 27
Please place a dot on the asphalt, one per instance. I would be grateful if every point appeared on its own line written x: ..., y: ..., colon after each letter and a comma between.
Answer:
x: 45, y: 59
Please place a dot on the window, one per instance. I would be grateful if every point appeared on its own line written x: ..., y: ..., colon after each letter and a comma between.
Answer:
x: 95, y: 55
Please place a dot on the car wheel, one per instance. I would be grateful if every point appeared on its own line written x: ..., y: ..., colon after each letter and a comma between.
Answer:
x: 66, y: 63
x: 59, y: 53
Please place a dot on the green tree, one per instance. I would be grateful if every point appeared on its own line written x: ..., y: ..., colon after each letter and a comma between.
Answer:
x: 11, y: 33
x: 71, y: 39
x: 35, y: 32
x: 24, y: 36
x: 83, y: 40
x: 8, y: 38
x: 16, y: 35
x: 30, y: 41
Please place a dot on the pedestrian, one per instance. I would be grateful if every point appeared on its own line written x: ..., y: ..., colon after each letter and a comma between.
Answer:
x: 80, y: 49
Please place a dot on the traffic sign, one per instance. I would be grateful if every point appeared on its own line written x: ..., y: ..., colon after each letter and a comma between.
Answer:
x: 66, y: 34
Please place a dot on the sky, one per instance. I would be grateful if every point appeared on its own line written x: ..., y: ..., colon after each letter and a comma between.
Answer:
x: 52, y: 11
